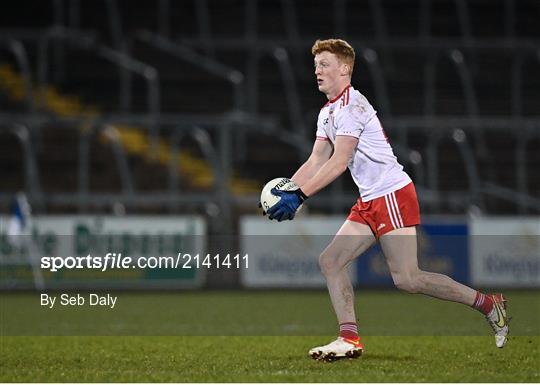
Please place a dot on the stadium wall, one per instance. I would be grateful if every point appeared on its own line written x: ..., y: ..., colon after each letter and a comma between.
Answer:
x: 483, y: 252
x: 67, y: 236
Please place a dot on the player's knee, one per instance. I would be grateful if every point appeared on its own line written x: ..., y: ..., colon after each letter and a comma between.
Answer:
x: 407, y: 283
x: 328, y: 264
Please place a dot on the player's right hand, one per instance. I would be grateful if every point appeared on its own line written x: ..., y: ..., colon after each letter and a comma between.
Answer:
x: 287, y: 206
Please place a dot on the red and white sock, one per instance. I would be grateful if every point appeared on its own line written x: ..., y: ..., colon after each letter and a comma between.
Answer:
x: 483, y: 303
x: 348, y: 330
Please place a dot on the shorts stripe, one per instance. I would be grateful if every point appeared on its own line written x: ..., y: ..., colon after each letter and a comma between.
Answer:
x: 396, y: 207
x: 390, y: 213
x: 393, y: 208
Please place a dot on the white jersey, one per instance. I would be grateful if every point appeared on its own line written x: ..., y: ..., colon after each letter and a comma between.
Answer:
x: 373, y: 166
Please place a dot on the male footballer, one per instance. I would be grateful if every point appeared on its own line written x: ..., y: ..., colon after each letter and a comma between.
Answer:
x: 350, y: 135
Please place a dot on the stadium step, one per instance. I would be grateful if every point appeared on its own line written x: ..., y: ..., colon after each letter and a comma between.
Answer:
x: 196, y: 171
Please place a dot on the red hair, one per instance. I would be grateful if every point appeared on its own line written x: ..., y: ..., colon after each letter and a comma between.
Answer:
x: 340, y: 48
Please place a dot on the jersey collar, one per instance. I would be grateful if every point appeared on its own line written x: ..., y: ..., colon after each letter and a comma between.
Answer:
x: 337, y: 97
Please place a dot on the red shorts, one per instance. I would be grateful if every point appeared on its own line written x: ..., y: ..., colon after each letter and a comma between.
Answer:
x: 391, y: 211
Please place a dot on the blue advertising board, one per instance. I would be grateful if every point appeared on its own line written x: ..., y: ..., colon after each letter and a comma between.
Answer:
x: 442, y: 248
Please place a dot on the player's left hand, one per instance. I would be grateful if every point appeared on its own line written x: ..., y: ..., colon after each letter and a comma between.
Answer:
x: 287, y: 205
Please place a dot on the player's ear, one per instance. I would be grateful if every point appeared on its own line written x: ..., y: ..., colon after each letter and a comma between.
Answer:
x: 345, y: 69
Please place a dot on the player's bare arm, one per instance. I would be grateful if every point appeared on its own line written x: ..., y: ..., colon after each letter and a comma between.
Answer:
x: 291, y: 200
x: 334, y: 167
x: 321, y: 152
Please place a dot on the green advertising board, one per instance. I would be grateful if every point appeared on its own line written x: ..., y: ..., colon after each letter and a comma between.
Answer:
x: 101, y: 252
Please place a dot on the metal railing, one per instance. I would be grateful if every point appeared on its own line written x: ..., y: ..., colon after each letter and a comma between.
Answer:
x: 434, y: 127
x: 21, y: 57
x: 430, y: 95
x: 122, y: 165
x: 30, y: 163
x: 117, y: 58
x: 220, y: 162
x: 208, y: 64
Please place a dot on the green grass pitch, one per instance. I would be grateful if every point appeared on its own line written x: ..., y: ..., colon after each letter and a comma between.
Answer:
x: 238, y: 336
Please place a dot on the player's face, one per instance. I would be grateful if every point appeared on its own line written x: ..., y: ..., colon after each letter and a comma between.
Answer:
x: 330, y: 72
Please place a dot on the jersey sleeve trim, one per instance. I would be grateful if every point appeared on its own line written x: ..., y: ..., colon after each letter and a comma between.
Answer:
x: 348, y: 134
x: 322, y: 138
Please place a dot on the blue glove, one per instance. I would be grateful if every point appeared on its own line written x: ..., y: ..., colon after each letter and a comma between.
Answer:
x: 287, y: 205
